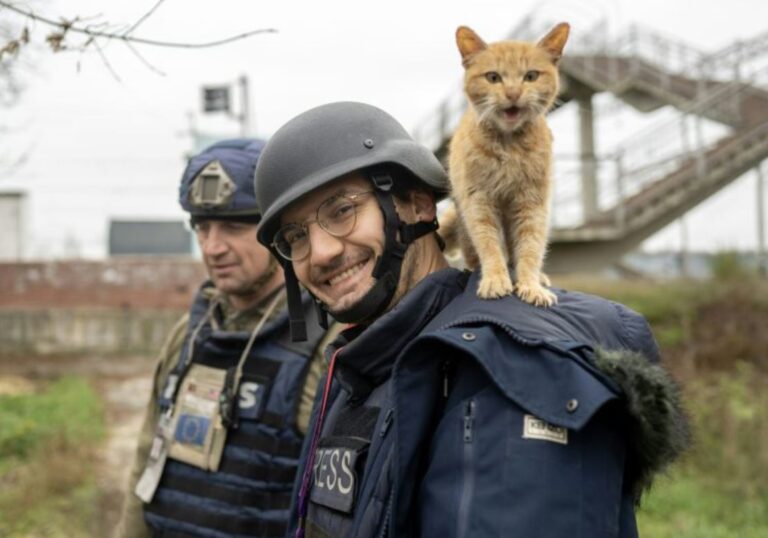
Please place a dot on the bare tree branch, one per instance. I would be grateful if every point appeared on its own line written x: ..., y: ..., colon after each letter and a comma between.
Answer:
x: 143, y: 18
x: 64, y: 26
x: 144, y: 60
x: 106, y: 62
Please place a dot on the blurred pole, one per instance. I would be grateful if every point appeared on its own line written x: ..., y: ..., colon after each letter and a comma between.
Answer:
x: 684, y: 265
x: 589, y: 187
x: 245, y: 127
x: 762, y: 267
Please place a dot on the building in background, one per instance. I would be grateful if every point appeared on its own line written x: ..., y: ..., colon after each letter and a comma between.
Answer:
x: 149, y: 237
x: 12, y: 225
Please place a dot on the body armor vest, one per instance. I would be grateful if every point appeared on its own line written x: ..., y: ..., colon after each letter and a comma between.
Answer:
x: 249, y: 494
x: 341, y: 461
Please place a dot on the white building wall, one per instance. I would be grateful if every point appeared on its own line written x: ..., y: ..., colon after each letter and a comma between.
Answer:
x: 12, y: 225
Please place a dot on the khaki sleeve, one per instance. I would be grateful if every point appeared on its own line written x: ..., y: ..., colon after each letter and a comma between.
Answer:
x: 317, y: 369
x: 131, y: 524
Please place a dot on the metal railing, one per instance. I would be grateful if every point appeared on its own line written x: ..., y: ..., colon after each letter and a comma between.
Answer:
x: 651, y: 154
x: 639, y: 56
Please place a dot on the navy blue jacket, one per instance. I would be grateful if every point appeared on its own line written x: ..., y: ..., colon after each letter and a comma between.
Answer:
x: 492, y: 419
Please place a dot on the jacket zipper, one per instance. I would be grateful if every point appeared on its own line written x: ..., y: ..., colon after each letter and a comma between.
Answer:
x: 468, y: 469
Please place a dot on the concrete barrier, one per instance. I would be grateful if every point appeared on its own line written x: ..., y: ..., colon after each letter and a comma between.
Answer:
x: 84, y: 331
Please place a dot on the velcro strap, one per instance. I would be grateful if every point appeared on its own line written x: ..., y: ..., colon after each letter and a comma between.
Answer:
x: 246, y: 526
x: 264, y: 500
x: 275, y: 420
x: 287, y: 448
x: 258, y: 472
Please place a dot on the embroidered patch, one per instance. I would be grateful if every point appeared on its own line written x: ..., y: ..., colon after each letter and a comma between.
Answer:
x: 535, y: 428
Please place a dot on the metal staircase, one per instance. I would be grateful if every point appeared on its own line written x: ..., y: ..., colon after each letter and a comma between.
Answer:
x: 715, y: 129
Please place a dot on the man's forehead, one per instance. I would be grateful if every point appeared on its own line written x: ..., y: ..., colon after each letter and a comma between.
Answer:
x: 305, y: 207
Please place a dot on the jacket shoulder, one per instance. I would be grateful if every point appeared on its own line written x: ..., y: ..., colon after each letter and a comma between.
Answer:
x: 578, y: 319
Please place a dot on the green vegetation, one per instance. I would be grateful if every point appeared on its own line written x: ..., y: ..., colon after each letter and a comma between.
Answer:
x: 47, y: 444
x: 714, y: 341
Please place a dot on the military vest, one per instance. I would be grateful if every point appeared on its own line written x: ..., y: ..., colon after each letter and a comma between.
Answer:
x: 250, y: 493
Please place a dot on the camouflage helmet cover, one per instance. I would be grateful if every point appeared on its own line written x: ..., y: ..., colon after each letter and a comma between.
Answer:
x: 218, y: 182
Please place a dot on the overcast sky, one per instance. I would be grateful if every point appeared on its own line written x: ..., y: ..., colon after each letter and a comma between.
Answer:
x: 107, y: 141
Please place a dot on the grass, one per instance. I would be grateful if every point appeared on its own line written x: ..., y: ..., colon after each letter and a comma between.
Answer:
x: 688, y: 504
x: 47, y: 446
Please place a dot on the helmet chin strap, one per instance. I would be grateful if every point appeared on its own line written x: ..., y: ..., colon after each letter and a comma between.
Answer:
x: 386, y: 271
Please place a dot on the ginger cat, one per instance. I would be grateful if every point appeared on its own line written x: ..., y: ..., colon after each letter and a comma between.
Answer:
x: 500, y: 161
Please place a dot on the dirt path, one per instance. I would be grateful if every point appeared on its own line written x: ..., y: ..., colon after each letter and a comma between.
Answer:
x: 124, y: 385
x: 125, y: 398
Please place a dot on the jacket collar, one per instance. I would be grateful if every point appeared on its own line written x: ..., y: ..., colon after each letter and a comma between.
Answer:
x: 369, y: 352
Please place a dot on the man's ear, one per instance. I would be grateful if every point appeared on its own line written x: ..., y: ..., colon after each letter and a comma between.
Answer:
x: 423, y: 204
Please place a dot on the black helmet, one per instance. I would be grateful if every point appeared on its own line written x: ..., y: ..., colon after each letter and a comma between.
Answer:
x: 218, y: 182
x: 326, y: 143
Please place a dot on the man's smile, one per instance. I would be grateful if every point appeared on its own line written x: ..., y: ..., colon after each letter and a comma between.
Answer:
x: 346, y: 273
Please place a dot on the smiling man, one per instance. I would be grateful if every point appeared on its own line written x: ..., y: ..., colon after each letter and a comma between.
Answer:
x: 442, y: 414
x: 232, y: 393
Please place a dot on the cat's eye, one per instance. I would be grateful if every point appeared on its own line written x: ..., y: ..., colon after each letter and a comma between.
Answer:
x: 530, y: 76
x: 493, y: 77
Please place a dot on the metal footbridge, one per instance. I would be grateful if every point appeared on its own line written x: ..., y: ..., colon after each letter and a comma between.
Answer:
x: 711, y: 128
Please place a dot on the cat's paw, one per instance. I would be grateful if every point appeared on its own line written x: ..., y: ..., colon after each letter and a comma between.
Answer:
x: 545, y: 281
x: 535, y: 294
x: 495, y: 287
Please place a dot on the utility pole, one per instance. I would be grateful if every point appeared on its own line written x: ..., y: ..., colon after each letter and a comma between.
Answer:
x: 685, y: 269
x: 244, y: 117
x: 762, y: 266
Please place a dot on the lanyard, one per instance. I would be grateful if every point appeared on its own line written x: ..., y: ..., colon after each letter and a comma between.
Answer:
x: 226, y: 399
x: 173, y: 382
x: 307, y: 476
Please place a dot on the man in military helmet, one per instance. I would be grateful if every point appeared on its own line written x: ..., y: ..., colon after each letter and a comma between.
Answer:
x: 443, y: 414
x: 232, y: 393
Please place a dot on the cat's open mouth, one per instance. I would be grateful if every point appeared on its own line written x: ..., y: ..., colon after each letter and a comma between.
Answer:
x: 512, y: 113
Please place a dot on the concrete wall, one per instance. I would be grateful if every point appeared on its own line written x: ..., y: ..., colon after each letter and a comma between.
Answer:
x: 12, y: 224
x: 125, y: 305
x: 84, y: 331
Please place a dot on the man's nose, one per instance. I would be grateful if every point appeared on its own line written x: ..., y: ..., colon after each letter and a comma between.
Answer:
x: 323, y: 247
x: 215, y: 243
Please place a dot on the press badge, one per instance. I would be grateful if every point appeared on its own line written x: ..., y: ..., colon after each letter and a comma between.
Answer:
x: 334, y: 478
x: 197, y: 433
x: 252, y: 397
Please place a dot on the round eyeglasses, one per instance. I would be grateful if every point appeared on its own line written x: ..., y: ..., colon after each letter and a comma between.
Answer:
x: 337, y: 215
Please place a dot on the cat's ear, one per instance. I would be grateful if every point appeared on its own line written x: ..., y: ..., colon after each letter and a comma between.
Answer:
x: 555, y: 40
x: 469, y: 43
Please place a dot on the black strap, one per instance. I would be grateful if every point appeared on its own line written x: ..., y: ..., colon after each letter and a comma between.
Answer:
x: 295, y: 309
x: 273, y: 446
x: 248, y: 526
x: 267, y: 473
x: 411, y: 232
x: 273, y: 419
x: 263, y: 500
